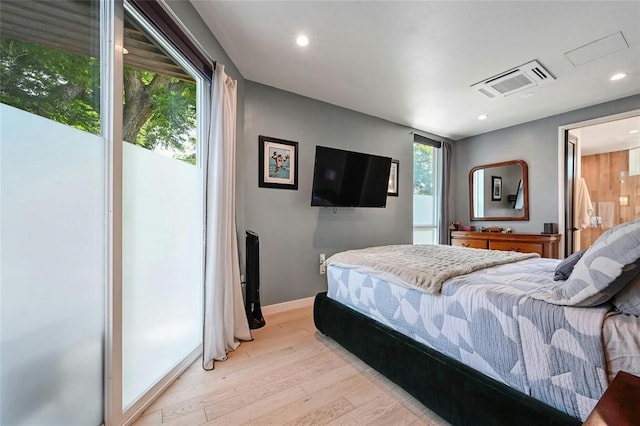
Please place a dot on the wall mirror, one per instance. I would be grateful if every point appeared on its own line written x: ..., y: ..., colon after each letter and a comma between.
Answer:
x: 499, y: 191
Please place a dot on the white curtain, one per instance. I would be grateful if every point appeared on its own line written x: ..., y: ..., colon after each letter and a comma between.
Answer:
x: 225, y: 321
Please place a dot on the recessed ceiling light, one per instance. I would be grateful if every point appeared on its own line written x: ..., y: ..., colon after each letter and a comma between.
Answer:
x: 483, y: 117
x: 618, y: 76
x: 633, y: 132
x: 302, y: 40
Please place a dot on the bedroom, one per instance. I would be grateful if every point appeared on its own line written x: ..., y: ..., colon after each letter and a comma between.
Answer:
x: 290, y: 228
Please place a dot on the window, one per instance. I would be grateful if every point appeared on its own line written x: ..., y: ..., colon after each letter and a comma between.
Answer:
x: 426, y: 177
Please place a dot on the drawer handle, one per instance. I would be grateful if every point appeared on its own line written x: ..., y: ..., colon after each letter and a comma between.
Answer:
x: 514, y: 248
x: 465, y: 244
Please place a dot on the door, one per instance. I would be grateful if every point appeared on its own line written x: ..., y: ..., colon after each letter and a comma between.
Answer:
x: 570, y: 168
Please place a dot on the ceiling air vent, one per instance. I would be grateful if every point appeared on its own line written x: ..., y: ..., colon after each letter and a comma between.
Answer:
x: 515, y: 80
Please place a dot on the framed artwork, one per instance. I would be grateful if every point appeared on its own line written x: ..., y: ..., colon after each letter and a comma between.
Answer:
x: 393, y: 178
x: 277, y: 163
x: 496, y: 188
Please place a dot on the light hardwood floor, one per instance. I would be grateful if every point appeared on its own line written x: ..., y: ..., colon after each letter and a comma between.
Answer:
x: 290, y: 374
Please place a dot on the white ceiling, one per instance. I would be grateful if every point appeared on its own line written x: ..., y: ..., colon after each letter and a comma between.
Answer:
x: 608, y: 137
x: 413, y: 62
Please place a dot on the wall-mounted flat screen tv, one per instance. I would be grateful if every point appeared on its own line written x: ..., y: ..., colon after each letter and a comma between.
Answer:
x: 349, y: 179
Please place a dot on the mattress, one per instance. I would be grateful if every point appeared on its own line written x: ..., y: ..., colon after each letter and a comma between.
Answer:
x: 486, y: 320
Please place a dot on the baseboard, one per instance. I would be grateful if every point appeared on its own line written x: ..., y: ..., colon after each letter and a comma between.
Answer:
x: 286, y: 306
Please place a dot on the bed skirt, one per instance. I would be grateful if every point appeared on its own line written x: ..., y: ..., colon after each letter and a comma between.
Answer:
x: 457, y: 393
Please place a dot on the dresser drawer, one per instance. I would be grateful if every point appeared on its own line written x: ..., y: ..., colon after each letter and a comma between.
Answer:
x: 516, y: 246
x: 467, y: 242
x: 546, y: 245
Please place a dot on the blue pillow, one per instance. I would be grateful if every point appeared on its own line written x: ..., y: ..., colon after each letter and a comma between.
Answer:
x: 564, y: 268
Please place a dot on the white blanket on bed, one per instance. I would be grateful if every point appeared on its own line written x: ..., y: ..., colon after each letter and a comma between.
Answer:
x: 425, y: 266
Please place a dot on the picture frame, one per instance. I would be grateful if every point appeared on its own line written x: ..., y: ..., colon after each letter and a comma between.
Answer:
x: 277, y: 163
x: 394, y: 174
x: 496, y: 188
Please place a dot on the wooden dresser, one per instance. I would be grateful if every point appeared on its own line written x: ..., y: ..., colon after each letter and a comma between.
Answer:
x: 546, y: 245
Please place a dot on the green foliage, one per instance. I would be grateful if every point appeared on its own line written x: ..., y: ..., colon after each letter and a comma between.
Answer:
x: 64, y: 87
x: 422, y: 169
x: 172, y: 125
x: 53, y: 83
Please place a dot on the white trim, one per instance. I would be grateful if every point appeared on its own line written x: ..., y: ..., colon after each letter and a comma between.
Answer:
x: 600, y: 120
x: 112, y: 41
x: 286, y: 306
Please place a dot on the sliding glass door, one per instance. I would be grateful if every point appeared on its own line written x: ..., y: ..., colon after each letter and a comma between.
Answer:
x: 52, y: 214
x: 101, y: 212
x: 162, y: 209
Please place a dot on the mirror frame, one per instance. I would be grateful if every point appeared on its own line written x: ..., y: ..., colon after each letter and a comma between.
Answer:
x: 525, y: 193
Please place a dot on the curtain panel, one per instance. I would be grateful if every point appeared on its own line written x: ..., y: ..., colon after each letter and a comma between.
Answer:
x: 225, y: 322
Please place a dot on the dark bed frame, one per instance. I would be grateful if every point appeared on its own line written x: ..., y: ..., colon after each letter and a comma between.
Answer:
x: 457, y: 393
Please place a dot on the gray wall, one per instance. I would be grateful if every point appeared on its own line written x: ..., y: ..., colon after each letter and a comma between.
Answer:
x: 190, y: 19
x: 536, y: 143
x: 292, y: 233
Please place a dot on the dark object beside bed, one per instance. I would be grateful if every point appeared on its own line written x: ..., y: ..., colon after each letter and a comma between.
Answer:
x: 457, y: 393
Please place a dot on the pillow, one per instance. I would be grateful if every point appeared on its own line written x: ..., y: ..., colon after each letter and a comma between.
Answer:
x: 603, y: 270
x: 627, y: 301
x: 564, y: 268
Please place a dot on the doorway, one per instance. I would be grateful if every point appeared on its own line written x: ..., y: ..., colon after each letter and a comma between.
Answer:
x: 601, y: 177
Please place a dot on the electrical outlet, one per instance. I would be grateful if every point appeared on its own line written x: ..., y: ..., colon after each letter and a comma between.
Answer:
x: 323, y: 269
x: 322, y: 258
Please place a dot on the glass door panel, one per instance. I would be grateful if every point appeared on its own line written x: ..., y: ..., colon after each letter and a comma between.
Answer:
x: 52, y: 214
x: 162, y: 245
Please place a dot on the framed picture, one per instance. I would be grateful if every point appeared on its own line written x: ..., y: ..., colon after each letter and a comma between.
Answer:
x: 393, y: 178
x: 277, y: 163
x: 496, y: 191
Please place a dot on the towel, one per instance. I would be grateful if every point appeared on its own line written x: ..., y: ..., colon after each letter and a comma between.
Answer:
x: 607, y: 210
x: 583, y: 208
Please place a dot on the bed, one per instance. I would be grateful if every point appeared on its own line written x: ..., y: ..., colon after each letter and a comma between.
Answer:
x: 495, y: 340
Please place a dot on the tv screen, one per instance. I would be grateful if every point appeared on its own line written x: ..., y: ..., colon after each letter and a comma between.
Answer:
x: 349, y: 179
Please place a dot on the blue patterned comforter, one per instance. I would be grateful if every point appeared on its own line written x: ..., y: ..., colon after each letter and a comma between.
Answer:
x: 487, y: 321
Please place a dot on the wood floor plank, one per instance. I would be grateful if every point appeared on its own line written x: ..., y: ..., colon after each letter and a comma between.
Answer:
x: 194, y: 418
x: 228, y: 375
x: 274, y: 380
x: 376, y: 405
x: 303, y: 406
x: 398, y: 416
x: 289, y: 374
x: 249, y: 413
x: 266, y: 386
x: 325, y: 414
